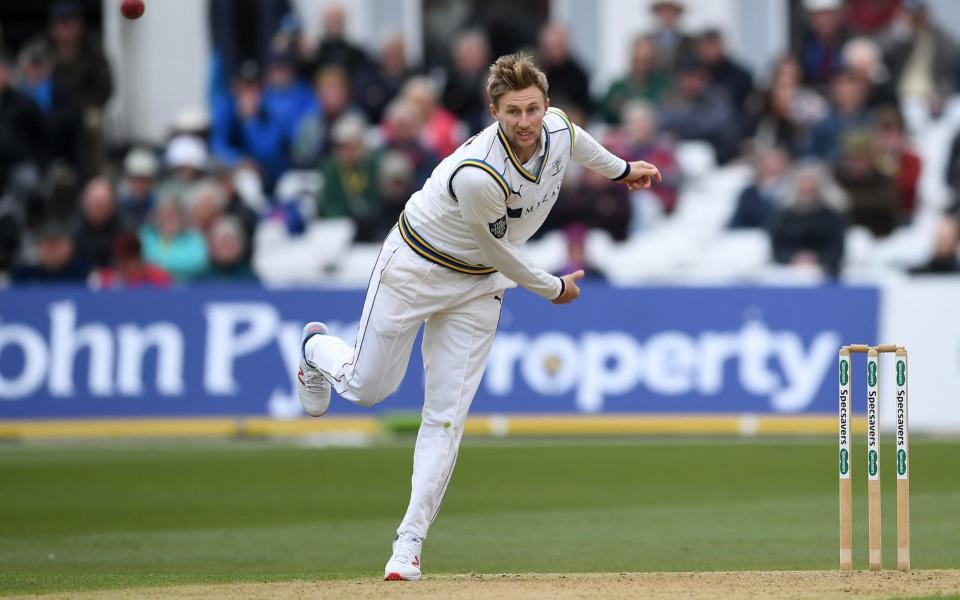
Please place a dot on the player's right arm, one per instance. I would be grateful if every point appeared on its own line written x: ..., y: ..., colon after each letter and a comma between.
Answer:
x: 484, y: 210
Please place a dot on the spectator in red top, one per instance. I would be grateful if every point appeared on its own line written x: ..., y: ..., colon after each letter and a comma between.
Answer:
x: 128, y: 269
x: 897, y: 158
x: 639, y: 139
x: 442, y: 132
x: 870, y: 16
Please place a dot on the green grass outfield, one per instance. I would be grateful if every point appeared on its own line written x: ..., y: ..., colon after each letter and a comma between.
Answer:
x: 80, y: 516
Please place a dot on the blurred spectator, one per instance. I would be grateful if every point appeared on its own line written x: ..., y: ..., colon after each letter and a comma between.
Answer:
x: 922, y: 57
x: 695, y: 111
x: 245, y: 131
x: 350, y: 179
x: 724, y: 72
x: 286, y: 99
x: 594, y: 202
x: 58, y: 262
x: 234, y: 205
x: 168, y: 243
x: 402, y: 128
x: 23, y: 134
x: 862, y: 56
x: 758, y: 202
x: 98, y: 223
x: 848, y: 112
x: 80, y: 69
x: 639, y: 139
x: 63, y: 114
x: 229, y: 256
x: 784, y: 114
x: 382, y: 83
x: 569, y: 84
x: 205, y: 206
x: 897, y: 159
x: 335, y: 49
x: 821, y: 41
x: 136, y: 189
x: 289, y: 39
x: 465, y: 91
x: 671, y: 44
x: 442, y: 132
x: 808, y: 230
x: 331, y: 90
x: 946, y: 246
x: 644, y: 81
x: 871, y: 192
x: 187, y: 161
x: 870, y: 16
x: 395, y: 185
x: 128, y: 269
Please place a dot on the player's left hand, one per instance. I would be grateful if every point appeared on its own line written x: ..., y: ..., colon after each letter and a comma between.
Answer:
x: 642, y: 175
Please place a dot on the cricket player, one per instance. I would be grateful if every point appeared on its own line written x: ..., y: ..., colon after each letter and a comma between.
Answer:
x: 455, y: 249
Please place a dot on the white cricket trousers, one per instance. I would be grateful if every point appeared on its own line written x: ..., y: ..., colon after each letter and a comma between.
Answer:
x: 461, y: 313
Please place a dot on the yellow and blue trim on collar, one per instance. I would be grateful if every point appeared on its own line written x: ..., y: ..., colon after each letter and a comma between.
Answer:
x: 516, y: 162
x: 424, y: 249
x: 566, y: 119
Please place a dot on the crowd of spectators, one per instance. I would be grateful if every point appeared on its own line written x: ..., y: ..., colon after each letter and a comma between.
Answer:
x: 826, y: 135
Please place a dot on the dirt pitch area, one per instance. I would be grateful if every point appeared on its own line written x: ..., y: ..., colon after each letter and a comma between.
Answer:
x: 738, y: 584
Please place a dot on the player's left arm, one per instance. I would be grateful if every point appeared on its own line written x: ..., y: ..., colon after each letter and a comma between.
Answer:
x: 587, y: 151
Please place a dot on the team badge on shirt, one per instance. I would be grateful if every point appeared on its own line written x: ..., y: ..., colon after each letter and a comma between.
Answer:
x: 499, y: 227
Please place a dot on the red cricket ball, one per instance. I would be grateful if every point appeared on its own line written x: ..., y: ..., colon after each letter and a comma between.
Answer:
x: 132, y: 9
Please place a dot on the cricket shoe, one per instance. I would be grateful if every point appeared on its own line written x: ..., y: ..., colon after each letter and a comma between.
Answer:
x: 404, y: 565
x: 312, y: 387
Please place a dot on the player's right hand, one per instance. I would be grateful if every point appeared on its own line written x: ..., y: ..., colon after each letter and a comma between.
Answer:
x: 570, y: 290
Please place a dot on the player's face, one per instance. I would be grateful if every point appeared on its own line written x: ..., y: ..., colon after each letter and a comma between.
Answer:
x: 520, y: 114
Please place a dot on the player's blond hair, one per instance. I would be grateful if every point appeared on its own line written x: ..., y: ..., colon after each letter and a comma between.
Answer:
x: 514, y: 72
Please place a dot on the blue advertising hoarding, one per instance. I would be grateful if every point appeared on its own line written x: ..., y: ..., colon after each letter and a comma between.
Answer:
x: 233, y: 351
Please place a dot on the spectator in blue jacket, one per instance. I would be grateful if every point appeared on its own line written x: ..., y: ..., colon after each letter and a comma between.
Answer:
x: 245, y: 131
x: 286, y: 99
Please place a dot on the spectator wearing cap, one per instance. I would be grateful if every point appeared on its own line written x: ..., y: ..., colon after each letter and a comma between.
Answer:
x: 821, y: 41
x: 569, y: 84
x: 168, y: 242
x: 186, y: 161
x: 725, y: 73
x: 464, y: 93
x: 23, y: 132
x: 848, y: 112
x: 442, y: 132
x: 81, y: 70
x: 402, y: 128
x: 350, y: 178
x: 286, y: 99
x: 136, y: 196
x: 645, y: 81
x: 922, y: 57
x: 229, y: 255
x: 57, y: 260
x: 128, y: 270
x: 333, y: 100
x: 98, y: 223
x: 809, y: 230
x: 696, y: 111
x: 671, y: 45
x: 244, y: 131
x: 381, y: 84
